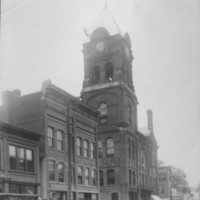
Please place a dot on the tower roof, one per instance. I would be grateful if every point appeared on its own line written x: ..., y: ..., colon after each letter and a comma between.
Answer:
x: 107, y: 21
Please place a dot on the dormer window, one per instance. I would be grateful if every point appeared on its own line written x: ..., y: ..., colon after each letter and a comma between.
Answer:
x: 109, y: 71
x: 95, y: 74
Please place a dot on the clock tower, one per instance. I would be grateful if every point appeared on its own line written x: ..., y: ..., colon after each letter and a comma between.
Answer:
x: 108, y: 88
x: 108, y: 74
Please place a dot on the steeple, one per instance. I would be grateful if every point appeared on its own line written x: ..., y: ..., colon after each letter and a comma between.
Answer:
x: 105, y: 20
x: 107, y: 54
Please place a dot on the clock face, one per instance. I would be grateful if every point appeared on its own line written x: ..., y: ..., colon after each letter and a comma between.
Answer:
x: 100, y: 46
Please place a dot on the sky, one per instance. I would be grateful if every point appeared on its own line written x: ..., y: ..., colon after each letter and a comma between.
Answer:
x: 43, y: 40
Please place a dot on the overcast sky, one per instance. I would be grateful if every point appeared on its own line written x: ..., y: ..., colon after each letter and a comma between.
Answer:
x: 42, y: 39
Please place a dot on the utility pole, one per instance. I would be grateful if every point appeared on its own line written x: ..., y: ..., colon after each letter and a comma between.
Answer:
x: 69, y: 140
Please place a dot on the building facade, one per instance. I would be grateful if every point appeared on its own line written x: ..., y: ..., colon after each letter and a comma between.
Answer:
x: 78, y: 159
x: 127, y: 158
x: 19, y: 163
x: 68, y: 150
x: 164, y: 179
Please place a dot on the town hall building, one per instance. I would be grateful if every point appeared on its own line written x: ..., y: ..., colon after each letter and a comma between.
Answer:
x: 90, y: 148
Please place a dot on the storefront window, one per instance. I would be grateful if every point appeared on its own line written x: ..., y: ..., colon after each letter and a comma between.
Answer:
x: 22, y: 189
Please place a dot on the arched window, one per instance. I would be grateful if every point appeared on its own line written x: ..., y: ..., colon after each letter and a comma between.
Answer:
x: 133, y: 150
x: 134, y: 178
x: 130, y: 177
x: 60, y: 140
x: 92, y: 150
x: 100, y: 148
x: 111, y: 177
x: 60, y: 172
x: 50, y: 134
x: 78, y: 146
x: 93, y: 177
x: 101, y: 179
x: 85, y: 148
x: 129, y: 148
x: 114, y: 196
x: 129, y: 113
x: 51, y: 170
x: 95, y: 74
x: 87, y: 178
x: 80, y: 175
x: 103, y: 112
x: 109, y: 147
x: 109, y: 71
x: 103, y: 109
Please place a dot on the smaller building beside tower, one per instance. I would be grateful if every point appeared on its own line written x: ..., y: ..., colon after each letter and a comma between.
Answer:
x: 164, y: 180
x: 19, y: 163
x: 68, y: 150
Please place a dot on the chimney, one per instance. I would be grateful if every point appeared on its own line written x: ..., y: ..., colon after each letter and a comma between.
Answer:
x: 150, y: 120
x: 8, y: 100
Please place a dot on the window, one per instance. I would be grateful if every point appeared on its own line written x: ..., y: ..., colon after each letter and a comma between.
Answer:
x: 95, y: 74
x: 134, y: 178
x: 78, y: 146
x: 101, y: 177
x: 87, y: 177
x: 80, y: 175
x: 92, y: 150
x: 93, y: 177
x: 1, y: 155
x: 103, y: 109
x: 163, y: 190
x: 111, y: 177
x: 29, y: 160
x: 100, y: 148
x: 60, y: 172
x: 102, y: 112
x: 60, y: 140
x: 22, y: 189
x: 50, y: 132
x: 110, y: 147
x: 133, y: 150
x: 85, y: 148
x: 109, y: 71
x: 130, y: 177
x: 51, y: 170
x: 129, y: 113
x: 114, y: 196
x: 129, y: 148
x: 21, y: 159
x: 1, y: 187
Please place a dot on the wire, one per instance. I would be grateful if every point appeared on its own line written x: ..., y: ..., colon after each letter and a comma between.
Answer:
x: 13, y: 7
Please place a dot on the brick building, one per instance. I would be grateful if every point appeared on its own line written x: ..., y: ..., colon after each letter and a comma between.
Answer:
x: 164, y: 180
x: 19, y: 163
x: 125, y: 165
x: 49, y: 112
x: 127, y: 157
